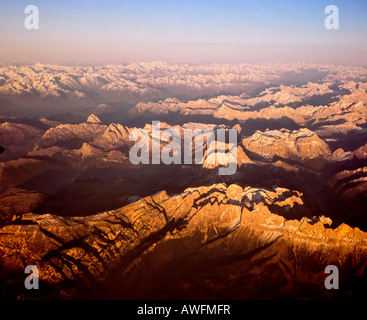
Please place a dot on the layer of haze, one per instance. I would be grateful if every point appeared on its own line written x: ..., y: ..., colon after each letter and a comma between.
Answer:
x: 186, y: 31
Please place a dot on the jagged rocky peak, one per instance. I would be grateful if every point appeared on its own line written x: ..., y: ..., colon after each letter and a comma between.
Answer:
x: 115, y: 135
x: 238, y: 128
x: 302, y: 144
x: 93, y: 119
x: 340, y: 155
x: 70, y: 132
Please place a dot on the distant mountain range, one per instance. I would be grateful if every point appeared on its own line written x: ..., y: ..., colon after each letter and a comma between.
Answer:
x: 47, y: 89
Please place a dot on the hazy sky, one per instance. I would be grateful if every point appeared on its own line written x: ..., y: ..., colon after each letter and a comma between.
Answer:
x: 186, y: 31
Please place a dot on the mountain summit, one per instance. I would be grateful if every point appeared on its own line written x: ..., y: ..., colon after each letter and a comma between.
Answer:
x: 93, y: 119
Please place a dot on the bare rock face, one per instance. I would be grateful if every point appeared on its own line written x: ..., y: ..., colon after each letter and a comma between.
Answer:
x: 340, y: 155
x: 115, y: 136
x: 66, y: 133
x: 166, y: 246
x: 223, y: 154
x: 300, y: 145
x: 93, y: 119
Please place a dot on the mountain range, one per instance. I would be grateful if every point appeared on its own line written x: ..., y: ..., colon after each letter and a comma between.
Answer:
x: 98, y: 226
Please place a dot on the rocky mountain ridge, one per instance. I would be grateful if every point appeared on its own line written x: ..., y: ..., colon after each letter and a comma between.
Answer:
x: 179, y: 241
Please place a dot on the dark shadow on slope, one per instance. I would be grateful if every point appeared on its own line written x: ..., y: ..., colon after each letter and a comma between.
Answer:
x: 172, y: 118
x: 348, y: 142
x: 176, y: 118
x: 250, y: 126
x: 318, y: 198
x: 301, y: 78
x: 100, y: 189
